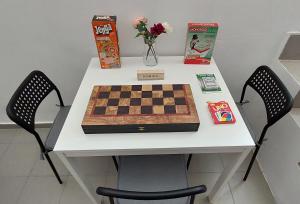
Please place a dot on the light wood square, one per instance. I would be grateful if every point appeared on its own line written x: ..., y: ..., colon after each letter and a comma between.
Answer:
x: 182, y: 109
x: 124, y: 102
x: 169, y: 101
x: 158, y: 109
x: 167, y: 87
x: 114, y: 94
x: 147, y: 88
x: 179, y: 93
x: 157, y: 94
x: 101, y: 102
x: 136, y: 94
x: 146, y: 102
x: 133, y: 110
x: 111, y: 110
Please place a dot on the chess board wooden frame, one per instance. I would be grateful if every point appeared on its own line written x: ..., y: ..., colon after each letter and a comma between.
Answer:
x: 102, y: 116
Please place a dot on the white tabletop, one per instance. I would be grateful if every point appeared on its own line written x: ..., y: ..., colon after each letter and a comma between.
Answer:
x: 209, y: 138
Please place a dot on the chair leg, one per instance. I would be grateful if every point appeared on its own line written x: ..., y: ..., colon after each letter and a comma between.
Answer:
x: 251, y: 162
x: 115, y: 162
x: 189, y: 161
x: 111, y: 200
x: 192, y: 199
x: 53, y: 168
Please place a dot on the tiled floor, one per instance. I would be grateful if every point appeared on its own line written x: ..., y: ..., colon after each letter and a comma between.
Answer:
x: 25, y: 179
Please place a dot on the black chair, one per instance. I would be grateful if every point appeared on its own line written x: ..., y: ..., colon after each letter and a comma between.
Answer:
x: 277, y: 99
x: 145, y: 178
x: 24, y: 103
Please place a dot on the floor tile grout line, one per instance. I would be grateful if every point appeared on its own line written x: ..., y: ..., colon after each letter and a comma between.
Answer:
x: 22, y: 190
x: 64, y: 188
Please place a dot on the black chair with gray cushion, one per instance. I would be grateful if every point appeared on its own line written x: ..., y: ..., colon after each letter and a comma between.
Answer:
x: 277, y: 100
x: 24, y: 103
x: 155, y: 179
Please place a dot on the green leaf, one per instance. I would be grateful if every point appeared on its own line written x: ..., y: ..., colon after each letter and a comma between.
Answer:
x: 139, y: 34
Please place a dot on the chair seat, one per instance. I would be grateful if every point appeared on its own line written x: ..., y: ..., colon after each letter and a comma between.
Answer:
x: 152, y: 173
x: 247, y: 122
x: 56, y: 127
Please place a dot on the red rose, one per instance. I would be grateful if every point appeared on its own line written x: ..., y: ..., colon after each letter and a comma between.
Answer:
x: 157, y: 29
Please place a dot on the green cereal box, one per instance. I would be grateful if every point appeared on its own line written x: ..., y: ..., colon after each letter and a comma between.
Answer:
x: 200, y: 42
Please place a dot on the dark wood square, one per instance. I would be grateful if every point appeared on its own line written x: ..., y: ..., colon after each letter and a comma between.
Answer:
x: 146, y: 110
x: 116, y: 88
x: 157, y: 87
x: 113, y: 102
x: 123, y: 110
x: 136, y: 87
x: 135, y: 102
x: 170, y: 109
x: 167, y: 94
x: 180, y: 101
x: 100, y: 110
x: 146, y: 94
x: 157, y: 101
x: 125, y: 94
x: 103, y: 95
x: 177, y: 87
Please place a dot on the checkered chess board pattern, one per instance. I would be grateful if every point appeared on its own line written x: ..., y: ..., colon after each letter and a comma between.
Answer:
x: 166, y: 99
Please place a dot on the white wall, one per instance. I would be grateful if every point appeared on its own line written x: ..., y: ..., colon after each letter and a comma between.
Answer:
x: 55, y: 36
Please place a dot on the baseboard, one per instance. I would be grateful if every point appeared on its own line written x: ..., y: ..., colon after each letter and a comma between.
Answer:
x: 14, y: 126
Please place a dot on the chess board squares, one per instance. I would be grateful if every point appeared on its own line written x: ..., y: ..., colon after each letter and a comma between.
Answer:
x: 103, y: 94
x: 135, y: 102
x: 125, y: 94
x: 157, y: 87
x: 146, y: 101
x: 136, y: 87
x: 157, y: 101
x: 169, y: 101
x: 99, y: 110
x: 168, y: 94
x: 179, y: 94
x: 113, y: 102
x: 116, y: 88
x: 177, y: 87
x: 182, y: 109
x: 101, y: 102
x: 170, y: 109
x: 180, y: 101
x: 136, y: 94
x: 157, y: 94
x: 123, y: 110
x: 147, y: 88
x: 167, y: 87
x: 126, y: 88
x: 124, y: 102
x: 146, y: 94
x: 158, y: 109
x: 134, y: 110
x: 114, y: 94
x: 146, y: 110
x: 104, y: 88
x: 111, y: 110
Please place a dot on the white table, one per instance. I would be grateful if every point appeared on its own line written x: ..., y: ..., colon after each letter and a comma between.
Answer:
x: 210, y: 138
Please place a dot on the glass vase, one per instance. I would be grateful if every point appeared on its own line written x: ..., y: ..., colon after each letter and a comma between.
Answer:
x: 150, y: 57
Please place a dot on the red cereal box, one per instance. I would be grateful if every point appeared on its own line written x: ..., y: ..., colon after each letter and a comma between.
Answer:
x: 106, y: 37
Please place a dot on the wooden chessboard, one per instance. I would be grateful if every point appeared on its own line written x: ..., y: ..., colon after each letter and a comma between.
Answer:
x: 141, y: 108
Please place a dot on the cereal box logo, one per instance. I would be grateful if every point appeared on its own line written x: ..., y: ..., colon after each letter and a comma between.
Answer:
x: 105, y: 29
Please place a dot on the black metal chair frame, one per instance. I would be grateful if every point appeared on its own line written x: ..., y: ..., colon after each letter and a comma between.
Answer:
x: 277, y: 99
x: 24, y: 103
x: 163, y: 195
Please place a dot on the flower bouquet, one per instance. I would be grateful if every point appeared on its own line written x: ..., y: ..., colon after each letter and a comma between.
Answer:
x: 150, y: 57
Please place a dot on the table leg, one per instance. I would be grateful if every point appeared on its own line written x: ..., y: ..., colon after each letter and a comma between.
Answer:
x: 79, y: 177
x: 226, y: 175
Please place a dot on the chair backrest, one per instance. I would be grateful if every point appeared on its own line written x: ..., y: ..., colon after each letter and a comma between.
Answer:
x: 164, y: 195
x: 277, y: 99
x: 25, y: 101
